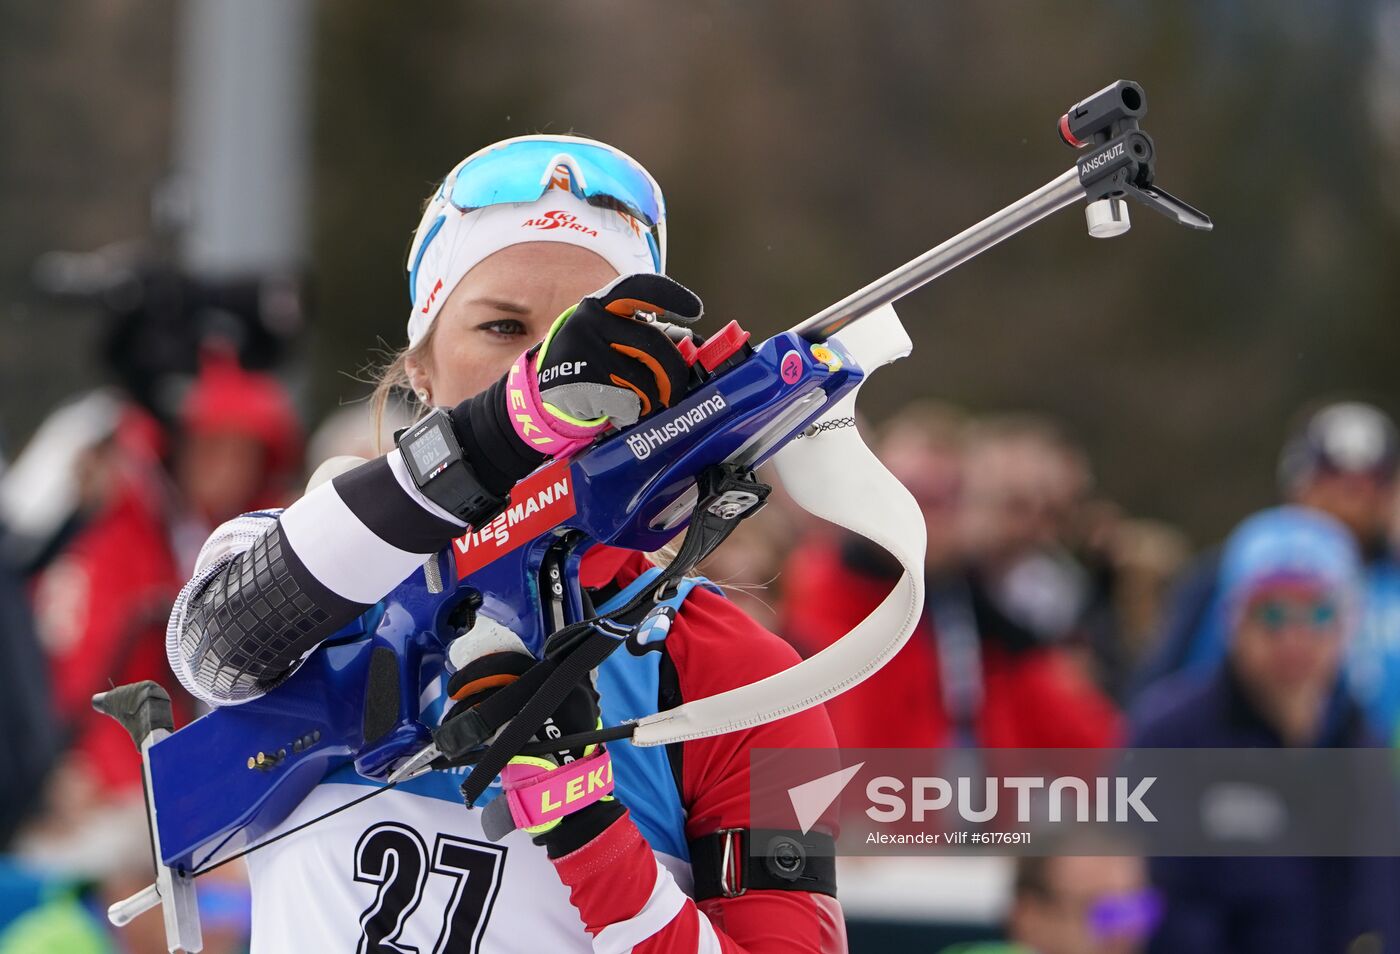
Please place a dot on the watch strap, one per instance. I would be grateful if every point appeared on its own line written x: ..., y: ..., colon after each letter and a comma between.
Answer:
x: 454, y: 485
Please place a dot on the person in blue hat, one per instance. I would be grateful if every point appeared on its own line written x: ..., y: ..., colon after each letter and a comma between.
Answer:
x: 1342, y: 461
x: 1291, y: 591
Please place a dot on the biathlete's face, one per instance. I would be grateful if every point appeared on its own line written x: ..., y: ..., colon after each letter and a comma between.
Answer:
x: 499, y: 308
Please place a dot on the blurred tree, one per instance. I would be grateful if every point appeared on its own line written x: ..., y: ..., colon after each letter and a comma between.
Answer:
x: 806, y: 149
x: 85, y: 108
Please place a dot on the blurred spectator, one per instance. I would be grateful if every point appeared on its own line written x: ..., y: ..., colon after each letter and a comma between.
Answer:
x: 61, y: 478
x: 145, y: 501
x: 349, y: 432
x: 1147, y: 556
x: 88, y: 853
x: 29, y: 743
x: 239, y: 442
x: 971, y: 674
x: 98, y: 603
x: 1342, y: 461
x: 1290, y: 585
x: 1072, y: 904
x: 1042, y: 553
x: 85, y: 852
x: 102, y: 603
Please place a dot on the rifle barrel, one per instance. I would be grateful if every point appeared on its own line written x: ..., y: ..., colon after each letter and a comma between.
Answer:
x: 1021, y: 214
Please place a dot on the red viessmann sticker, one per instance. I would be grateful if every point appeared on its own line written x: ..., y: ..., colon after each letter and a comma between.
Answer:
x: 538, y: 503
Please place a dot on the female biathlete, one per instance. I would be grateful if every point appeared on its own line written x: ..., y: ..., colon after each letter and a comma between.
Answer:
x: 512, y: 250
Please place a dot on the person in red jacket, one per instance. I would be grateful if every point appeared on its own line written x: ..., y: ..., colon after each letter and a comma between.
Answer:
x: 971, y: 673
x: 101, y: 605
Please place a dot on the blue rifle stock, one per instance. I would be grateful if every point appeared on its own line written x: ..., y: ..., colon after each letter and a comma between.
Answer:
x: 227, y: 779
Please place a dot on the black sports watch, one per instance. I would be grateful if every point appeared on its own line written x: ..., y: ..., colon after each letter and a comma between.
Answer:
x: 434, y: 459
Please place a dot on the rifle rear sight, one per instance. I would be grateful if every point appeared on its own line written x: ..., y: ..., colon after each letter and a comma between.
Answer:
x: 1117, y: 160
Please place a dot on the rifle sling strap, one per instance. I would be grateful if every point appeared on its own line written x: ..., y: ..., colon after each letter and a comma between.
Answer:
x: 728, y: 494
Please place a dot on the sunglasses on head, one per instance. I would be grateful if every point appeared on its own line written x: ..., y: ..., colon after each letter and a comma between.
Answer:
x: 523, y: 169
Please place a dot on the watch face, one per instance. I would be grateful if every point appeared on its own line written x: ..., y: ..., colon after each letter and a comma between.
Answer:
x: 429, y: 451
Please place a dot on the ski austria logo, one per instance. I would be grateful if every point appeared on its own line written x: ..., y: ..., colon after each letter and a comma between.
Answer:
x: 559, y: 220
x: 791, y: 367
x: 642, y: 443
x: 538, y: 503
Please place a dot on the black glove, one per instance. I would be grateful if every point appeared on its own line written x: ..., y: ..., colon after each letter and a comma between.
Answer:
x: 482, y: 677
x: 599, y: 366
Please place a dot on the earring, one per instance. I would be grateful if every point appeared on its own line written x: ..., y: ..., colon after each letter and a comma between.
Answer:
x: 422, y: 395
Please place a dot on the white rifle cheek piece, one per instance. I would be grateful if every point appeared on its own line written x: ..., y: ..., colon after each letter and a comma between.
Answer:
x: 831, y: 475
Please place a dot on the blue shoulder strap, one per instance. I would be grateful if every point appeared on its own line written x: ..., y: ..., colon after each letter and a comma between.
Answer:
x: 628, y: 687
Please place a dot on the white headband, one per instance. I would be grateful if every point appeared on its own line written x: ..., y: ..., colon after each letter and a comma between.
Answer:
x: 449, y: 243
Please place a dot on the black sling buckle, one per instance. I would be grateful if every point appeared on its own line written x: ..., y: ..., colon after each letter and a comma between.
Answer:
x: 732, y: 861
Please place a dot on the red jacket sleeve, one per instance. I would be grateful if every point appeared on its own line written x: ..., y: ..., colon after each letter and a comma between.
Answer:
x: 626, y: 899
x: 101, y: 609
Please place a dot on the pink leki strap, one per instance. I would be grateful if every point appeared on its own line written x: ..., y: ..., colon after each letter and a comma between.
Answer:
x: 537, y: 795
x: 533, y: 425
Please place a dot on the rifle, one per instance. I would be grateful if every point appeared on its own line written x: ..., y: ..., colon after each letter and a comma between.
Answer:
x: 222, y: 784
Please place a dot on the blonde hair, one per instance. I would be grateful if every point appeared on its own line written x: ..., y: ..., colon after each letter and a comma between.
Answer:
x: 393, y: 377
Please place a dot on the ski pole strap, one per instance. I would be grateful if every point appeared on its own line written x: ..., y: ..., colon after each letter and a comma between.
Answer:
x: 580, y: 740
x: 459, y: 736
x: 732, y: 861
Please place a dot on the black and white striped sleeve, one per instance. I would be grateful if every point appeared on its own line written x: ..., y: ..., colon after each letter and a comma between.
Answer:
x: 269, y: 588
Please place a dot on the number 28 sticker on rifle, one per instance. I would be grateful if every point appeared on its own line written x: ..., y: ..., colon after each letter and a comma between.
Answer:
x: 539, y: 502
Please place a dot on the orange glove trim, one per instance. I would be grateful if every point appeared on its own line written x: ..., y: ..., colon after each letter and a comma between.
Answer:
x: 485, y: 682
x: 646, y: 401
x: 663, y: 383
